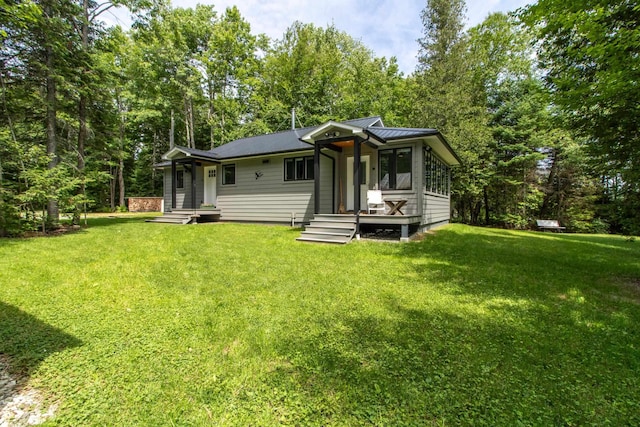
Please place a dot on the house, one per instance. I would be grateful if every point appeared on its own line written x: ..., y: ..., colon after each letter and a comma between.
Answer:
x: 299, y: 175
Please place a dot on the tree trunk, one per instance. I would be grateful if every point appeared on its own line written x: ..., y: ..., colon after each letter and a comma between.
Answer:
x: 121, y: 154
x: 485, y: 194
x: 82, y: 103
x: 172, y: 130
x: 112, y: 189
x: 191, y: 123
x: 52, y: 205
x: 210, y: 115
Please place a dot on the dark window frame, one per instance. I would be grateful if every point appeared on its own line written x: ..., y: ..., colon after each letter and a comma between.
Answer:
x: 393, y: 168
x: 437, y: 175
x: 302, y: 169
x: 224, y: 174
x: 180, y: 179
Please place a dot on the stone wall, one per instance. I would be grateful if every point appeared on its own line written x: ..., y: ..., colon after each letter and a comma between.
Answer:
x: 145, y: 204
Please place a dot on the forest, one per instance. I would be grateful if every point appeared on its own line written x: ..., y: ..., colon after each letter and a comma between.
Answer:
x: 541, y: 104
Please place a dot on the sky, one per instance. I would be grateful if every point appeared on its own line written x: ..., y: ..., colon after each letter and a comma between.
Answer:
x: 387, y: 27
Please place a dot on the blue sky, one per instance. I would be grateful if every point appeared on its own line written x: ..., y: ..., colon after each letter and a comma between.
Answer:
x: 388, y: 27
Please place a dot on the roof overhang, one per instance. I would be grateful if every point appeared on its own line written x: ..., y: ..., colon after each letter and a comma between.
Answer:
x: 178, y: 153
x: 333, y: 130
x: 441, y: 147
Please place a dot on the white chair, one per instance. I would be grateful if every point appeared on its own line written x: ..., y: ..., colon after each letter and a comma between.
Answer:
x: 374, y: 201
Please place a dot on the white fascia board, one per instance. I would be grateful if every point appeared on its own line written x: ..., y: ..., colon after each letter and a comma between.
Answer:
x: 169, y: 155
x: 320, y: 131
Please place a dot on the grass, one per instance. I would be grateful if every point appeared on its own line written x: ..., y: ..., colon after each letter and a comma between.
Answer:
x: 128, y: 323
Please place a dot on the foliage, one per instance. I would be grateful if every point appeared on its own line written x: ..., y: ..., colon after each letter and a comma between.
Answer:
x: 587, y: 52
x: 469, y: 326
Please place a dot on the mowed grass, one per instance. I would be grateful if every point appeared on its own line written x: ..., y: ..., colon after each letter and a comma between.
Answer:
x: 129, y: 323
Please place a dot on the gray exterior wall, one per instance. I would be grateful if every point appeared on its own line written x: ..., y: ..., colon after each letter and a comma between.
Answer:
x: 436, y: 208
x: 413, y: 196
x: 269, y: 198
x: 183, y: 195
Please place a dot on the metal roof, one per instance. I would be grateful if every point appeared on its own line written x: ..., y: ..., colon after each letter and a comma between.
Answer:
x: 392, y: 134
x: 290, y: 141
x: 280, y: 142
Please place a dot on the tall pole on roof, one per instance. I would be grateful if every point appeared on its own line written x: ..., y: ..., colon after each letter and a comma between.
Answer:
x: 293, y: 119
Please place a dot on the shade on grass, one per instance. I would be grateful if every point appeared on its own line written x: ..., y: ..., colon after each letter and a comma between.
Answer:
x: 147, y: 324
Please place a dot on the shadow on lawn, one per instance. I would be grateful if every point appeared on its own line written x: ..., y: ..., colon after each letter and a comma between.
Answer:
x: 438, y: 368
x: 515, y: 347
x: 27, y: 341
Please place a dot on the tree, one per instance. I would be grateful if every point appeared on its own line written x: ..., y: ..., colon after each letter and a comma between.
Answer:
x: 588, y: 50
x: 447, y: 99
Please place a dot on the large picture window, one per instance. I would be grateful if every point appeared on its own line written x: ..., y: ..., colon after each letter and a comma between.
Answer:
x: 436, y: 175
x: 228, y: 174
x: 395, y: 169
x: 298, y: 168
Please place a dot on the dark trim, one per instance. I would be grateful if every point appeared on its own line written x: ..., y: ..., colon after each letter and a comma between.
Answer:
x: 295, y: 179
x: 393, y: 168
x: 333, y: 181
x: 193, y: 184
x: 235, y: 170
x: 328, y: 141
x: 316, y: 179
x: 357, y: 163
x: 173, y: 184
x: 333, y: 147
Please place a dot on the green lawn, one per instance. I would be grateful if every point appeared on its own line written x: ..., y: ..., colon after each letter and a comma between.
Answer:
x: 129, y: 323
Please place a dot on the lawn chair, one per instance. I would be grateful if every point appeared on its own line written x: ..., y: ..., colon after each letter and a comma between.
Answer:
x: 374, y: 201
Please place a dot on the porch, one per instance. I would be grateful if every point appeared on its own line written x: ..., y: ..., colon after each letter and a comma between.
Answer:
x: 342, y: 228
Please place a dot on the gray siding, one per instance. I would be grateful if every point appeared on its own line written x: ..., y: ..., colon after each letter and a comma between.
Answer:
x: 413, y: 196
x: 436, y: 209
x: 261, y: 193
x: 183, y: 195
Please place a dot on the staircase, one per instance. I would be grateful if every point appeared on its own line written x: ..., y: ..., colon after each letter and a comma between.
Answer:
x: 173, y: 218
x: 330, y: 229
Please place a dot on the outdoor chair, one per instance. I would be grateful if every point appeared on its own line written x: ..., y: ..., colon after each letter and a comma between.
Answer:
x: 375, y: 201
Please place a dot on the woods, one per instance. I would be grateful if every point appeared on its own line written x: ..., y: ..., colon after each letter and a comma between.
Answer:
x: 541, y: 105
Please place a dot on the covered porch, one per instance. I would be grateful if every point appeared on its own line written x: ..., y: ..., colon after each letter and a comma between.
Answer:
x: 193, y: 179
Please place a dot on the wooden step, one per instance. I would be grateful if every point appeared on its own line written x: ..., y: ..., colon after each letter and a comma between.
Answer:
x: 332, y: 224
x: 323, y: 238
x: 330, y: 229
x: 327, y: 230
x: 172, y: 219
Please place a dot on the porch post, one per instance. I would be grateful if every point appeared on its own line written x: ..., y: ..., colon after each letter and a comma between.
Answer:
x: 356, y: 182
x: 193, y: 184
x: 173, y: 184
x: 316, y: 178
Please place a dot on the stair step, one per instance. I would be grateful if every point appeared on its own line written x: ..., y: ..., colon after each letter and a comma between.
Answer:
x: 170, y: 220
x: 324, y: 238
x: 332, y: 224
x: 327, y: 230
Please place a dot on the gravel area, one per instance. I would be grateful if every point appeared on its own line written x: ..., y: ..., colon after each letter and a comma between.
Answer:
x: 20, y: 405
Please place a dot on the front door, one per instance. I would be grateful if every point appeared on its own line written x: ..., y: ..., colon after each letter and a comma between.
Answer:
x: 364, y: 182
x: 210, y: 181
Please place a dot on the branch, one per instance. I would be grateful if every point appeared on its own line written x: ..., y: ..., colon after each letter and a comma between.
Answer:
x: 97, y: 11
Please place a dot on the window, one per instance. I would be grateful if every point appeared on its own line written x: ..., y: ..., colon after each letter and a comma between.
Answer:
x: 228, y: 174
x: 436, y: 175
x: 298, y: 168
x: 179, y: 179
x: 395, y: 169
